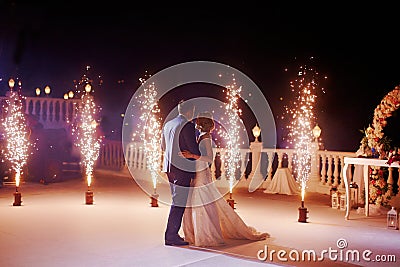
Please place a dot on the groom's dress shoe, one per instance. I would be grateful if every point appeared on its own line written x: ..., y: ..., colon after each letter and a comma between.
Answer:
x: 176, y: 242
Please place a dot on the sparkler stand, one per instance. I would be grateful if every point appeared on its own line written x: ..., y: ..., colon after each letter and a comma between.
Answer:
x: 302, y: 213
x: 154, y: 200
x: 17, y: 198
x: 230, y: 201
x: 89, y: 197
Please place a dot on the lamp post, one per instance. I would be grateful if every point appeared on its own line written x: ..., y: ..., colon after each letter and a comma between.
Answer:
x: 71, y: 94
x: 11, y: 84
x: 316, y: 132
x: 65, y: 96
x: 314, y: 179
x: 256, y: 132
x: 37, y: 91
x: 47, y: 90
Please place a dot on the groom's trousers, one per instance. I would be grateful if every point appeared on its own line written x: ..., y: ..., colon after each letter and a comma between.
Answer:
x: 180, y: 186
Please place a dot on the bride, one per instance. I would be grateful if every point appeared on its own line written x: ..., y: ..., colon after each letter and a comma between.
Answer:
x: 208, y: 219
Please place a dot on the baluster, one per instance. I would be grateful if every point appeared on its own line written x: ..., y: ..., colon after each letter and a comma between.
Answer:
x: 336, y: 170
x: 290, y: 161
x: 41, y: 111
x: 135, y: 163
x: 280, y: 158
x: 140, y: 158
x: 329, y: 172
x: 269, y: 168
x: 323, y: 169
x: 49, y: 111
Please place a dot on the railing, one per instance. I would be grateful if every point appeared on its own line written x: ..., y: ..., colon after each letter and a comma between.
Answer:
x: 52, y: 113
x: 325, y: 173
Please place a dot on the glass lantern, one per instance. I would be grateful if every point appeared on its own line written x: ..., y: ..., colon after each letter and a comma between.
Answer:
x: 342, y: 202
x: 335, y: 200
x: 354, y: 195
x: 392, y: 219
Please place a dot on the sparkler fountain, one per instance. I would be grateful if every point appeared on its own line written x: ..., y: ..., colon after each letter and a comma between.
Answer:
x: 88, y: 142
x: 150, y: 133
x: 301, y: 128
x: 16, y: 135
x: 232, y: 155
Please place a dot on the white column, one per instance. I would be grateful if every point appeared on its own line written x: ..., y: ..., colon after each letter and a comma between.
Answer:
x: 314, y: 178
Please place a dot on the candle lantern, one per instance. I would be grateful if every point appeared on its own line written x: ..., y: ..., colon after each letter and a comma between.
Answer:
x: 353, y: 195
x: 342, y: 202
x: 392, y: 219
x: 335, y: 200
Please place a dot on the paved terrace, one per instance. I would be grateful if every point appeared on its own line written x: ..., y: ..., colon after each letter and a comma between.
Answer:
x: 54, y: 227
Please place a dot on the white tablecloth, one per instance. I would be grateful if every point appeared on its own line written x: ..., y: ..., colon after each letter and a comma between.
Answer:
x: 283, y: 182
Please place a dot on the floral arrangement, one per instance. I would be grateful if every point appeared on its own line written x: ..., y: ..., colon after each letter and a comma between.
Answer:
x: 374, y: 140
x: 393, y: 156
x: 375, y: 144
x: 378, y: 190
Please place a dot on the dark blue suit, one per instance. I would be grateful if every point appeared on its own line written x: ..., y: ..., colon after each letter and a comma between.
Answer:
x: 178, y: 134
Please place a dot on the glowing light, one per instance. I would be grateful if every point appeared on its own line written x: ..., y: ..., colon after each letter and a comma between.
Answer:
x: 88, y: 88
x: 150, y: 129
x: 231, y: 133
x: 47, y: 90
x: 16, y: 133
x: 37, y: 91
x: 65, y: 96
x: 71, y: 94
x: 87, y: 138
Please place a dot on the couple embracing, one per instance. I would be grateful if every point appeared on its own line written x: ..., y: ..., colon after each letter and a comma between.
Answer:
x: 197, y: 206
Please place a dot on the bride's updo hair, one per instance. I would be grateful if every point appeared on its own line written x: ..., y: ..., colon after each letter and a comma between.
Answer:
x: 205, y: 122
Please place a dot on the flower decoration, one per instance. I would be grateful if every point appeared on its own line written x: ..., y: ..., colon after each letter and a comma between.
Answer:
x: 378, y: 189
x: 375, y: 144
x: 374, y: 139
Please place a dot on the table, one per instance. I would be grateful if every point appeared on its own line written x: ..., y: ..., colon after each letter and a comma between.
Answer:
x: 365, y: 162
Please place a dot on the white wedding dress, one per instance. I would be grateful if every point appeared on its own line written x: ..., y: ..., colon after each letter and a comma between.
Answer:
x: 208, y: 218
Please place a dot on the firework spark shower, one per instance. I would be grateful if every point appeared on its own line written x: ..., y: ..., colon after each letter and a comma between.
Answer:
x: 88, y: 142
x: 151, y: 129
x: 302, y: 113
x: 231, y: 135
x: 16, y: 133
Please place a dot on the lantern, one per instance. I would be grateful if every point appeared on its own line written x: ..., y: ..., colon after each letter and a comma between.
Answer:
x: 353, y: 195
x: 342, y: 202
x: 316, y: 132
x: 335, y: 200
x: 256, y: 132
x: 392, y: 219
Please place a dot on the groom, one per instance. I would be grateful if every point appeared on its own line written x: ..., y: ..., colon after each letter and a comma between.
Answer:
x: 179, y: 134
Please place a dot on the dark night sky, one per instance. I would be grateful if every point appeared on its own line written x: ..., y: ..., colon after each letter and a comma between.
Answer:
x: 355, y: 47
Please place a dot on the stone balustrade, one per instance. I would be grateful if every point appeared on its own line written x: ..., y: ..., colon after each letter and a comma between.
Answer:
x: 52, y: 113
x: 325, y: 168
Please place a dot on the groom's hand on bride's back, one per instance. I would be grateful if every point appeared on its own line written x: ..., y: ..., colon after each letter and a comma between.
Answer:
x: 185, y: 154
